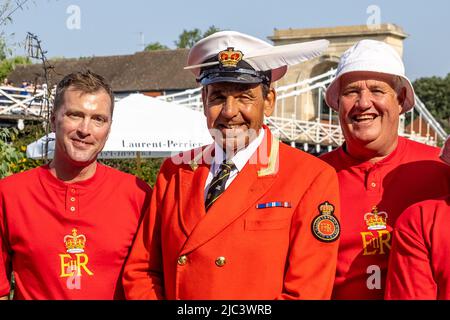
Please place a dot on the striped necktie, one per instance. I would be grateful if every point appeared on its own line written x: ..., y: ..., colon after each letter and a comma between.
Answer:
x: 217, y: 186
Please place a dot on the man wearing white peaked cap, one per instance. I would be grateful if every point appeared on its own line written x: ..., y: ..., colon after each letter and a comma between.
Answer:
x: 246, y: 217
x: 380, y: 174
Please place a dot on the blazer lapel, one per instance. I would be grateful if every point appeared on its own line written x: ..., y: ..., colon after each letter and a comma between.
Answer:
x: 191, y: 205
x: 191, y: 186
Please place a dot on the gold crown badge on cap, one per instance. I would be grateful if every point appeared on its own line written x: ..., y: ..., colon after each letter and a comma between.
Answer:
x: 229, y: 57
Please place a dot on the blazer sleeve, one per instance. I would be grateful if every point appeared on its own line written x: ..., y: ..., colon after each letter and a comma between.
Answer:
x: 311, y: 263
x: 143, y: 271
x: 409, y: 271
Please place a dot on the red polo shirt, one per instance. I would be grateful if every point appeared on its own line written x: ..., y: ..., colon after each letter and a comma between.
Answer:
x: 419, y: 266
x: 68, y: 241
x: 372, y: 197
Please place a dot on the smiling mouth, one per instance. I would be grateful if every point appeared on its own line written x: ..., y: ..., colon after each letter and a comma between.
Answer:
x: 364, y: 117
x: 81, y: 142
x: 230, y: 126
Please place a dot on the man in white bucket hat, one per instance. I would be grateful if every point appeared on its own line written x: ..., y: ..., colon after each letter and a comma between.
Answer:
x: 419, y: 264
x: 246, y: 217
x: 380, y: 174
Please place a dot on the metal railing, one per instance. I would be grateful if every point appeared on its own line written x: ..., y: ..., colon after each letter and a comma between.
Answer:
x: 289, y: 121
x: 22, y: 101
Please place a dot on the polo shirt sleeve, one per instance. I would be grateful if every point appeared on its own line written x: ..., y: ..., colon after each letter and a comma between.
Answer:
x: 5, y: 263
x: 409, y: 272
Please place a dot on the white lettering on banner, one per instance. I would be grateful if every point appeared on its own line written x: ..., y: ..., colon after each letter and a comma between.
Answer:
x: 162, y: 145
x: 374, y: 280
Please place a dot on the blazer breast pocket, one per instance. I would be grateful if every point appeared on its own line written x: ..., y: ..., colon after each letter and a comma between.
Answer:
x: 267, y: 224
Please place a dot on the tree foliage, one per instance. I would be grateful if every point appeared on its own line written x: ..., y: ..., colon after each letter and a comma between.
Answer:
x: 12, y: 154
x: 8, y: 65
x: 212, y: 29
x: 189, y: 37
x: 435, y: 94
x: 155, y: 46
x: 146, y: 169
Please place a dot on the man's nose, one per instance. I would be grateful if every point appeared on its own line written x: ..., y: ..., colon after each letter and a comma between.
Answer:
x: 84, y: 127
x: 230, y: 107
x: 365, y: 99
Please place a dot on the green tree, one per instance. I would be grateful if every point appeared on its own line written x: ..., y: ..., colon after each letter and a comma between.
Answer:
x: 435, y: 94
x: 155, y: 46
x: 9, y: 156
x: 8, y: 65
x: 146, y: 169
x: 189, y: 37
x: 3, y: 49
x: 212, y: 29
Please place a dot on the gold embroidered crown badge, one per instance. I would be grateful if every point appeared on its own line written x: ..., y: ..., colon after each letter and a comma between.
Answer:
x: 376, y: 220
x: 326, y: 208
x: 75, y: 243
x: 325, y: 226
x: 230, y: 57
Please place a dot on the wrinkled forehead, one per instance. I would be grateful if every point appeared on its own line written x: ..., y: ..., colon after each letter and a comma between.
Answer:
x: 366, y: 77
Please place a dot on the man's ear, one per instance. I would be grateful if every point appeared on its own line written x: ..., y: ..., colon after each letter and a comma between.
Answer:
x: 52, y: 121
x: 269, y: 102
x: 401, y: 98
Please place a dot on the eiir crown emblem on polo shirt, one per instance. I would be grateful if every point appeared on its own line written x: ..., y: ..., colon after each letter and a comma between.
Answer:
x: 74, y: 263
x: 376, y: 220
x: 75, y: 243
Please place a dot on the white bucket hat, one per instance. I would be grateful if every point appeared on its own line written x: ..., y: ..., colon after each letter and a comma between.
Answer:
x: 372, y: 56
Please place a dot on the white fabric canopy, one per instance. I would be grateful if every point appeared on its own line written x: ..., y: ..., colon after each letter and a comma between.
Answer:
x: 151, y: 126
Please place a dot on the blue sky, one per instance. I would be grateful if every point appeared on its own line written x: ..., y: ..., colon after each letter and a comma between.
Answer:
x: 114, y: 27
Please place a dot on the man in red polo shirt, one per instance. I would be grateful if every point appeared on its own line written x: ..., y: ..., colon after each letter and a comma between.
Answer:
x: 380, y: 174
x: 419, y: 265
x: 66, y: 228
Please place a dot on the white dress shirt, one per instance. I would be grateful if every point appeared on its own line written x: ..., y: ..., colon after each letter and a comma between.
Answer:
x: 239, y: 159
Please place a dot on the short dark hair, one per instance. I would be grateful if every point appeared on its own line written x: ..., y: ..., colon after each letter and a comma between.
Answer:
x: 265, y: 87
x: 84, y: 81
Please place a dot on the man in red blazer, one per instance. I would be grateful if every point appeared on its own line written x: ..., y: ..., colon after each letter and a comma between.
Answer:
x: 246, y: 217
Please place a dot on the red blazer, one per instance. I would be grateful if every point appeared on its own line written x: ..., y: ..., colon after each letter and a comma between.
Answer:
x: 237, y: 250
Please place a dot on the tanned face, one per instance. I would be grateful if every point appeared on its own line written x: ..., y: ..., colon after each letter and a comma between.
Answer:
x: 235, y: 112
x: 82, y: 124
x: 369, y: 110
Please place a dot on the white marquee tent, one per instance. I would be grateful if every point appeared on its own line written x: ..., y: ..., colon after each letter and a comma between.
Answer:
x: 153, y: 127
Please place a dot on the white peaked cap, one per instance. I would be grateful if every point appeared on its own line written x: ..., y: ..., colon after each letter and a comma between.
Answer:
x: 256, y: 53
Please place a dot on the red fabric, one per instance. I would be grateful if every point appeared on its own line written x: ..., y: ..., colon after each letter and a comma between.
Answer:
x: 413, y: 172
x: 35, y: 217
x: 270, y: 253
x: 419, y: 266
